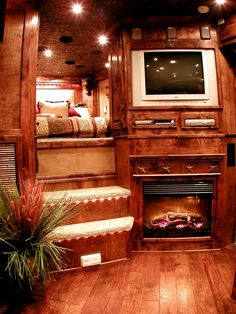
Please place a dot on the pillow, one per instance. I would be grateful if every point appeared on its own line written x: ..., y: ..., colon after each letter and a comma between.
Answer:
x: 80, y: 104
x: 37, y: 109
x: 60, y: 109
x: 83, y: 112
x: 42, y: 129
x: 48, y: 115
x: 73, y: 113
x: 58, y: 101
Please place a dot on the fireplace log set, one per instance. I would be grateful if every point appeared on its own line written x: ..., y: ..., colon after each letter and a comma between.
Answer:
x: 172, y: 223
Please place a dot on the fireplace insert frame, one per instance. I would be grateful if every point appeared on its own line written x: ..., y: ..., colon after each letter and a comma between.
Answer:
x: 183, y: 238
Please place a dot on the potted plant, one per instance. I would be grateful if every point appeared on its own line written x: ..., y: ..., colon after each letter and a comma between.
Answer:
x: 27, y: 252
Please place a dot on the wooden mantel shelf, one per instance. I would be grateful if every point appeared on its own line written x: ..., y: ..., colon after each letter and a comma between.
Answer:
x: 184, y: 156
x: 195, y: 165
x: 43, y: 143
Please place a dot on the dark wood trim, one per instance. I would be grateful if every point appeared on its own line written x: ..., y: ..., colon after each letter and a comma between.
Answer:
x: 233, y: 295
x: 170, y: 136
x: 192, y: 239
x: 28, y: 91
x: 3, y: 5
x: 181, y: 157
x: 176, y: 175
x: 75, y: 178
x: 178, y: 108
x: 176, y: 44
x: 43, y: 143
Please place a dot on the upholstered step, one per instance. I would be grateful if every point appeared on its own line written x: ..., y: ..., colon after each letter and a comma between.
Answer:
x: 84, y: 195
x: 110, y: 238
x: 100, y: 203
x: 94, y: 228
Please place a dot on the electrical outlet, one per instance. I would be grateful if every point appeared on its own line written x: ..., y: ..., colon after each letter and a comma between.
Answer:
x: 90, y: 260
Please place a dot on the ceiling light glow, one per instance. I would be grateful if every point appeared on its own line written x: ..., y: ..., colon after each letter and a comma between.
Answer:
x: 220, y: 2
x: 77, y: 8
x: 34, y: 20
x: 47, y: 53
x: 102, y: 40
x: 107, y: 65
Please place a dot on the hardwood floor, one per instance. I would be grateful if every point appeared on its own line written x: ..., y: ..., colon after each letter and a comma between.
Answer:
x: 150, y: 282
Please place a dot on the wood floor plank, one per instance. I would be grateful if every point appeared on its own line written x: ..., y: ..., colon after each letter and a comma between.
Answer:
x: 225, y: 262
x: 184, y: 288
x: 168, y: 293
x: 150, y: 282
x: 204, y: 299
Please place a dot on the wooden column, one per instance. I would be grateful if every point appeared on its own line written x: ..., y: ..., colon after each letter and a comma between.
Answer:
x: 233, y: 295
x: 28, y: 90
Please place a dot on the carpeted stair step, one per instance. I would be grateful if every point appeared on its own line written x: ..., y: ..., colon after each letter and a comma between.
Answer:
x: 110, y: 238
x: 101, y: 203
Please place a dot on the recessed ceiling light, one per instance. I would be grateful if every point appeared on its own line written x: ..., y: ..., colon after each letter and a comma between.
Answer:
x: 220, y: 1
x: 47, y: 53
x: 77, y: 8
x: 70, y: 62
x: 66, y: 39
x: 102, y: 40
x: 203, y: 9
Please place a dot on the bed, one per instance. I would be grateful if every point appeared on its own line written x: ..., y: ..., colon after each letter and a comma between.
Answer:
x: 89, y: 127
x: 55, y: 119
x: 72, y: 145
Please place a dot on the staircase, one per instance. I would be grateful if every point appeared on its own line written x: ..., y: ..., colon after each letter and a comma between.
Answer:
x: 102, y: 227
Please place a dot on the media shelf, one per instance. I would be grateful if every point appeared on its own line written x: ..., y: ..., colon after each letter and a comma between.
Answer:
x: 155, y: 123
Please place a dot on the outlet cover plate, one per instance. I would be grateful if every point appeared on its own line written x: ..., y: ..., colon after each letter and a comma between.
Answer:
x: 91, y: 260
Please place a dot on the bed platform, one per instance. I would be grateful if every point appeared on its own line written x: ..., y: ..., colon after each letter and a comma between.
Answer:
x: 65, y: 161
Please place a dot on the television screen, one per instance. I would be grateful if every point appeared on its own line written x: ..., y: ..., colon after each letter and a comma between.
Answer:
x: 174, y: 72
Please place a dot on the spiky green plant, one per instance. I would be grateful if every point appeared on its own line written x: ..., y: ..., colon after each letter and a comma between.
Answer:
x: 28, y: 253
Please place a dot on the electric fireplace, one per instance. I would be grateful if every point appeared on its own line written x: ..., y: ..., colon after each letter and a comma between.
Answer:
x: 177, y: 209
x: 176, y: 201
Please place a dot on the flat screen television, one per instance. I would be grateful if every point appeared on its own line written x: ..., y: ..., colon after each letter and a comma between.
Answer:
x: 175, y: 77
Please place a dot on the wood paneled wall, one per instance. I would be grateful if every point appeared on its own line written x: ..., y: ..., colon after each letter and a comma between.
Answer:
x: 18, y: 61
x: 10, y: 65
x: 178, y: 140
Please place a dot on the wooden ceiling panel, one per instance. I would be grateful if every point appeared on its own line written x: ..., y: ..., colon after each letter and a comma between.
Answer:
x: 89, y: 58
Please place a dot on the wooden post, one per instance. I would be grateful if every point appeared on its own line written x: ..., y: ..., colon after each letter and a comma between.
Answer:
x: 233, y: 295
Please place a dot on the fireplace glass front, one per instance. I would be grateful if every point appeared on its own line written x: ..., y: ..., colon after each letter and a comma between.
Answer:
x: 177, y: 209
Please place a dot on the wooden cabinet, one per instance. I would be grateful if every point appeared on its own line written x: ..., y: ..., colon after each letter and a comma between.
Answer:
x: 227, y: 32
x: 233, y: 295
x: 227, y: 35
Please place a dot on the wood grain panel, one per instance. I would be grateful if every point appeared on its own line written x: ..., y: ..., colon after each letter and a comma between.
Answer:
x: 28, y: 90
x: 10, y: 64
x: 111, y: 246
x: 116, y: 86
x: 71, y: 161
x: 57, y: 183
x: 135, y: 285
x: 228, y: 100
x: 233, y: 295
